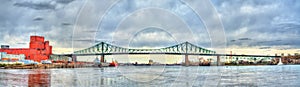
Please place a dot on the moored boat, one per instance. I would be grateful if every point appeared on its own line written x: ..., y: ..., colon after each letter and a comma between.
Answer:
x: 113, y: 64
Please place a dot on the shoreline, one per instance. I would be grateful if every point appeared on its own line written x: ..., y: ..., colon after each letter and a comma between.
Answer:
x: 57, y: 66
x: 42, y: 66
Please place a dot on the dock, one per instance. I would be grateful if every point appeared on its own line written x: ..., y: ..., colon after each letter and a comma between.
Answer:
x: 44, y: 66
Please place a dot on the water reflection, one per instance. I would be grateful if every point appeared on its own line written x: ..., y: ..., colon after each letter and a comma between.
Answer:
x: 31, y: 78
x: 38, y: 78
x: 174, y: 76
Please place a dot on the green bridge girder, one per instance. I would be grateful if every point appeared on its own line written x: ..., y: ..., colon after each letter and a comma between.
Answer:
x: 185, y: 47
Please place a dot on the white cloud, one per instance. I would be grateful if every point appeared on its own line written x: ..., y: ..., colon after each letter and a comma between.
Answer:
x: 241, y: 32
x: 258, y: 9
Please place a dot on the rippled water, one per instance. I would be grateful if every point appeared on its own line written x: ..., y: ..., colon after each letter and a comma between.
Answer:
x: 177, y: 76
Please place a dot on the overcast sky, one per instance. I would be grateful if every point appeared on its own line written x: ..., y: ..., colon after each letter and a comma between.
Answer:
x: 266, y: 25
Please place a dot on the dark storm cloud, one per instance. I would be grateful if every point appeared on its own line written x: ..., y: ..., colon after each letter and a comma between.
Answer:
x: 268, y: 42
x: 66, y: 24
x: 18, y: 24
x: 38, y: 19
x: 264, y: 21
x: 232, y: 40
x: 289, y: 42
x: 64, y: 1
x: 247, y: 42
x: 244, y: 39
x: 36, y: 6
x: 292, y: 28
x: 42, y: 5
x: 264, y: 47
x: 141, y: 14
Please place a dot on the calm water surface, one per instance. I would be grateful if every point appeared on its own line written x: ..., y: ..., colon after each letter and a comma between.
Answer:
x: 137, y: 76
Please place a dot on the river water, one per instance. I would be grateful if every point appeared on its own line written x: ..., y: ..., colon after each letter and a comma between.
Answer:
x: 152, y: 76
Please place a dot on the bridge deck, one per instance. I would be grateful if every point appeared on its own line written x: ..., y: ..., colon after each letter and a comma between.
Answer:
x: 92, y: 54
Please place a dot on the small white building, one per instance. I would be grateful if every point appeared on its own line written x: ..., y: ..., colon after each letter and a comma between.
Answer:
x: 11, y: 57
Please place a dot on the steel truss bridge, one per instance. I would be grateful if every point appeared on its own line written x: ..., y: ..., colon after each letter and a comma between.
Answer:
x: 184, y: 48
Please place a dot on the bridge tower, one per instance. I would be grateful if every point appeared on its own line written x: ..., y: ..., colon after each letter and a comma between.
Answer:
x: 74, y: 58
x: 102, y: 60
x: 186, y: 59
x: 186, y: 56
x: 282, y: 57
x: 218, y: 61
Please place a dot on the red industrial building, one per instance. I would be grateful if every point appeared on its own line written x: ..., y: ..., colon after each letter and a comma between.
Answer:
x: 38, y: 49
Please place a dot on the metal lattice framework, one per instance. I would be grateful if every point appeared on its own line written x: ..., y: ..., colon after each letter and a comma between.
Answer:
x: 186, y: 47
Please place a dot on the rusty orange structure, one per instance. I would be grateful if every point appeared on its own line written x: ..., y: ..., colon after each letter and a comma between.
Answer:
x: 38, y: 49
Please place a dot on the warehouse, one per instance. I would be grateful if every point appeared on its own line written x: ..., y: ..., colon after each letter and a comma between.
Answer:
x: 38, y: 50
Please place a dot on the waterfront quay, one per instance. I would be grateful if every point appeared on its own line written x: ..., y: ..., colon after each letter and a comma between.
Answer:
x: 42, y: 66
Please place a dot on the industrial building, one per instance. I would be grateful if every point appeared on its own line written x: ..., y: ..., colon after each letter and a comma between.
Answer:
x: 38, y: 50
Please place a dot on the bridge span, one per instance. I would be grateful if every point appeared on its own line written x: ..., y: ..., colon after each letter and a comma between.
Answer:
x: 93, y: 54
x: 185, y: 48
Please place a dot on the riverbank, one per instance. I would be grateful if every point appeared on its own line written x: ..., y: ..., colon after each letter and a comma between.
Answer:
x: 41, y: 66
x: 72, y: 65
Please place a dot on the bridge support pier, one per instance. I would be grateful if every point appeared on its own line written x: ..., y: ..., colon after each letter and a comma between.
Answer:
x: 186, y: 60
x: 218, y: 61
x: 102, y: 59
x: 74, y: 58
x: 281, y: 59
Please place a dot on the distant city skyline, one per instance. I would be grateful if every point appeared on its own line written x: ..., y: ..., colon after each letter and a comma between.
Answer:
x: 250, y: 26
